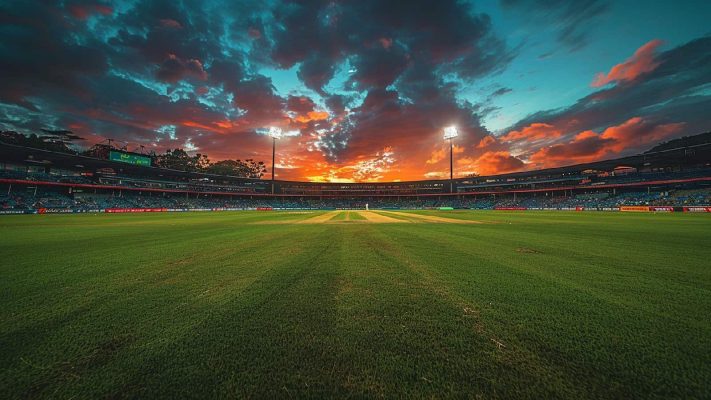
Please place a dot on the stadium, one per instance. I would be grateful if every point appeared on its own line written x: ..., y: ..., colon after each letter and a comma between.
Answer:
x: 319, y: 283
x: 372, y: 199
x: 36, y: 181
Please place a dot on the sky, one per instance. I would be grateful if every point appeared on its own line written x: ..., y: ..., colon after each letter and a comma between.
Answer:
x: 363, y: 88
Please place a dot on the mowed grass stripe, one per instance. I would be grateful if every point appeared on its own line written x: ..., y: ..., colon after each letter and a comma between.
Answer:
x: 379, y: 218
x: 341, y: 216
x: 356, y: 216
x: 327, y: 216
x: 429, y: 218
x: 400, y: 217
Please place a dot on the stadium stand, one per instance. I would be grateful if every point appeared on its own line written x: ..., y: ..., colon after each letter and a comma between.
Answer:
x: 48, y: 199
x: 33, y: 180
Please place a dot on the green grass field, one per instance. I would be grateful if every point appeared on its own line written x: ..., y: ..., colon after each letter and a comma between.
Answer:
x: 253, y: 304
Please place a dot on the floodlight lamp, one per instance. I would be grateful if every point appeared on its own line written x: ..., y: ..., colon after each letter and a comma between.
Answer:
x: 275, y: 132
x: 450, y: 132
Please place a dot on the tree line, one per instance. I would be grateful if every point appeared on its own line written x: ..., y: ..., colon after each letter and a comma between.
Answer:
x: 65, y: 141
x: 180, y: 159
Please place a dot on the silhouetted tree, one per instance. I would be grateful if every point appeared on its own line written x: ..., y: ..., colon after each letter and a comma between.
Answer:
x: 248, y: 168
x: 52, y: 140
x: 179, y: 159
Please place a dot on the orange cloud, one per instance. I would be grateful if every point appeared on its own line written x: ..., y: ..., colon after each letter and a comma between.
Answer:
x: 641, y: 62
x: 442, y: 153
x: 487, y: 141
x: 535, y: 131
x: 436, y: 156
x: 635, y: 133
x: 312, y: 116
x: 588, y: 146
x: 224, y: 124
x: 497, y: 162
x: 221, y: 125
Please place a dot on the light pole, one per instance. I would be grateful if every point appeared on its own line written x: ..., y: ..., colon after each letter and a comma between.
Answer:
x: 275, y: 133
x: 450, y: 133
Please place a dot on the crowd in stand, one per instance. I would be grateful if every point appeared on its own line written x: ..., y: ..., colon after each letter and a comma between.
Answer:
x: 31, y: 200
x: 33, y: 197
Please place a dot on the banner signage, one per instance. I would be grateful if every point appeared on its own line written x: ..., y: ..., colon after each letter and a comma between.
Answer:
x: 634, y: 208
x: 697, y: 209
x: 134, y: 210
x: 691, y: 209
x: 55, y: 211
x: 130, y: 158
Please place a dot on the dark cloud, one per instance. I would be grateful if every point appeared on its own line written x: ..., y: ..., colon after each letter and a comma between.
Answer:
x: 84, y: 9
x: 174, y: 69
x: 500, y: 92
x: 336, y: 103
x: 228, y: 73
x: 300, y: 104
x: 166, y: 38
x: 383, y: 38
x: 378, y: 67
x: 257, y: 96
x: 41, y: 56
x: 316, y: 71
x: 300, y: 32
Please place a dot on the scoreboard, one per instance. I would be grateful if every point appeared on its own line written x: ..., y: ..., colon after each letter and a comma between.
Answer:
x: 130, y: 158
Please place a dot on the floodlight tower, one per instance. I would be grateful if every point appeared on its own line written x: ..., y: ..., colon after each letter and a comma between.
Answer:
x: 275, y: 133
x: 450, y: 133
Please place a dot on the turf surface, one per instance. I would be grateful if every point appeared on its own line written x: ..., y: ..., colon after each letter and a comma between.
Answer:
x: 527, y: 305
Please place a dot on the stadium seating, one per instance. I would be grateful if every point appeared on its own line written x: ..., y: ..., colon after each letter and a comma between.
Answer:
x: 53, y: 199
x: 61, y: 182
